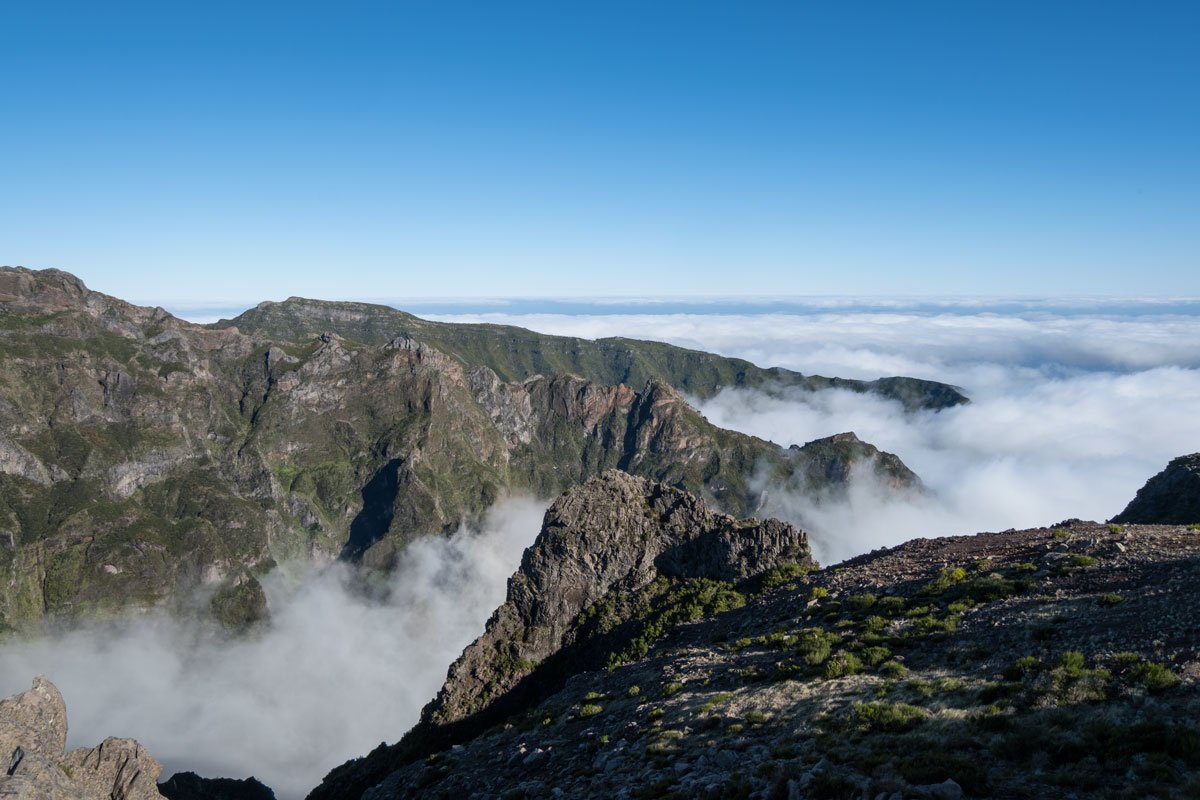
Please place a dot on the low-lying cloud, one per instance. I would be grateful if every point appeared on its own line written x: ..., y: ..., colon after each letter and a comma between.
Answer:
x: 1071, y: 412
x: 337, y: 672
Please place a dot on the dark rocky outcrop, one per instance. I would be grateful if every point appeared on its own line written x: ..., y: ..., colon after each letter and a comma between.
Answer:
x: 190, y: 786
x: 614, y: 537
x: 33, y: 734
x: 1172, y: 497
x: 141, y: 455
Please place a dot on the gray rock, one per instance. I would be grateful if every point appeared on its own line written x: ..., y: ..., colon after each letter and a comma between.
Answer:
x: 33, y: 735
x: 35, y: 721
x: 118, y: 768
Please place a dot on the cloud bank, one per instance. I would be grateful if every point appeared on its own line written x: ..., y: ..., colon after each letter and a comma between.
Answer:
x: 1071, y: 412
x: 337, y: 672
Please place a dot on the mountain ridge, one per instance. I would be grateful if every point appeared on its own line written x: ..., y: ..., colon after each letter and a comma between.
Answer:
x: 141, y: 455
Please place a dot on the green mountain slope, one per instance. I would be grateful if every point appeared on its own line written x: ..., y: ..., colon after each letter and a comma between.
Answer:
x: 141, y: 455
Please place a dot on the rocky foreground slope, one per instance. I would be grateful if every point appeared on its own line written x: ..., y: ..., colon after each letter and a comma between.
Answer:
x: 141, y: 455
x: 1055, y: 662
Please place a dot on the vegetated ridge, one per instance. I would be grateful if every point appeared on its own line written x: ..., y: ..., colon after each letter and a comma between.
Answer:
x: 141, y: 455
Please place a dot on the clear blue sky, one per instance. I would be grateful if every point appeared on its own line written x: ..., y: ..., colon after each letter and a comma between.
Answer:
x: 243, y: 151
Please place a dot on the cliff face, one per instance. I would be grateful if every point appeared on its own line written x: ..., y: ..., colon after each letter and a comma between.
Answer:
x: 618, y: 561
x: 140, y: 454
x: 1172, y: 497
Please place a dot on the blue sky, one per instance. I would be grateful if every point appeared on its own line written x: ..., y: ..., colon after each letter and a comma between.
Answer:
x: 236, y: 152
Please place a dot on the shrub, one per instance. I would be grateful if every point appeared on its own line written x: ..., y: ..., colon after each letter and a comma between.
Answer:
x: 1110, y: 599
x: 945, y: 579
x: 591, y: 696
x: 861, y: 602
x: 1072, y: 663
x: 893, y: 669
x: 1154, y: 677
x: 842, y: 664
x: 589, y: 710
x: 891, y: 605
x: 672, y: 688
x: 892, y: 717
x: 1114, y: 528
x: 874, y: 623
x: 874, y: 656
x: 633, y: 691
x: 756, y: 717
x: 818, y: 592
x: 782, y: 574
x: 1021, y: 667
x: 815, y: 645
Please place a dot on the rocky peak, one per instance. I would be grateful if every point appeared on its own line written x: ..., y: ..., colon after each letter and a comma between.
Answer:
x: 613, y: 532
x: 33, y: 736
x: 34, y: 721
x: 614, y: 535
x: 1172, y: 497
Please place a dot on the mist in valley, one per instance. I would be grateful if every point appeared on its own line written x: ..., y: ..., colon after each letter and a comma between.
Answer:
x: 336, y: 672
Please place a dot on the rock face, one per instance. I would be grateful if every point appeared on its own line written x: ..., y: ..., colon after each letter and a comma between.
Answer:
x: 618, y: 533
x: 614, y: 537
x: 1172, y: 497
x: 33, y: 735
x: 141, y: 454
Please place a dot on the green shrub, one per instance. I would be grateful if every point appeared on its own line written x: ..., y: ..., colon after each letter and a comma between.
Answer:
x: 782, y: 574
x: 756, y: 717
x: 589, y: 710
x: 1021, y: 667
x: 1114, y: 528
x: 892, y: 717
x: 1072, y: 663
x: 818, y: 592
x: 893, y: 669
x: 874, y: 623
x: 1153, y: 677
x: 891, y: 605
x: 874, y: 656
x: 842, y: 664
x: 633, y: 691
x: 815, y: 645
x: 945, y: 579
x: 861, y: 602
x: 672, y: 688
x: 1110, y: 599
x: 591, y: 696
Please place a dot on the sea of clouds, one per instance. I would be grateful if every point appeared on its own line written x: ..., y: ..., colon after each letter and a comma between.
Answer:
x: 1074, y: 405
x: 1072, y: 410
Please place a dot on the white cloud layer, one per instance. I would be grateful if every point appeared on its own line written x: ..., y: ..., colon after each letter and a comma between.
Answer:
x: 336, y: 673
x: 1070, y: 414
